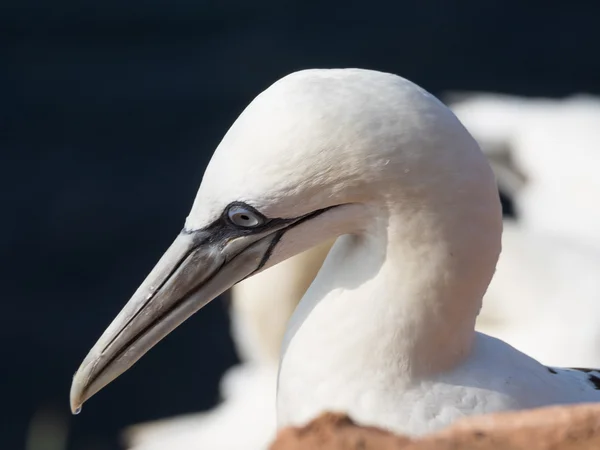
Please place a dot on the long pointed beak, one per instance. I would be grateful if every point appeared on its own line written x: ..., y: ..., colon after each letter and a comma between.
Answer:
x: 197, y: 267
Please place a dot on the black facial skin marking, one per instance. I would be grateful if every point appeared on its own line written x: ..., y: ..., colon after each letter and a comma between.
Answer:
x: 223, y: 229
x: 217, y: 233
x: 551, y: 370
x: 258, y: 229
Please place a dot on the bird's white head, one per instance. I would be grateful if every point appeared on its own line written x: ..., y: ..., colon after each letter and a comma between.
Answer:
x: 319, y: 154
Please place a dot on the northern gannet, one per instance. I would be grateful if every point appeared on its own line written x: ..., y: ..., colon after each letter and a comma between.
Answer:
x: 385, y: 332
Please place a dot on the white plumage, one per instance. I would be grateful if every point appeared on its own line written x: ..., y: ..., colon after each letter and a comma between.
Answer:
x: 385, y: 332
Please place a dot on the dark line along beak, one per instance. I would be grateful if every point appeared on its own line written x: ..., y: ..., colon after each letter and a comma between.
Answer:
x: 197, y: 267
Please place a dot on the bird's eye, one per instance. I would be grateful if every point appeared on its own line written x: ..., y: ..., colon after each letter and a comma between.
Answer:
x: 243, y: 217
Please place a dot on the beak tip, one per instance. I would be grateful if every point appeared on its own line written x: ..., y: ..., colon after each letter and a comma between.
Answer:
x: 76, y: 399
x: 78, y: 396
x: 75, y: 409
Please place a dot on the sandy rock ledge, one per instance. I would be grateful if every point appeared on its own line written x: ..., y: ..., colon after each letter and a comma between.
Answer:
x: 552, y: 428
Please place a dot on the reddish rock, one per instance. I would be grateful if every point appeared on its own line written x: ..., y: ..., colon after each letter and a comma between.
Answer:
x: 336, y: 431
x: 552, y: 428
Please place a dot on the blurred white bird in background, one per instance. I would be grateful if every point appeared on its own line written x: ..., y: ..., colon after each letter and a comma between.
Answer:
x: 548, y: 155
x: 545, y: 296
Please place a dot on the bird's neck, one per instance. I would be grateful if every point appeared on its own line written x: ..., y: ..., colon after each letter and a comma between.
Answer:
x: 399, y: 298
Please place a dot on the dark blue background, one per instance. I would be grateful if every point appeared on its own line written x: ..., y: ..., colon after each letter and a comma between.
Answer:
x: 109, y: 111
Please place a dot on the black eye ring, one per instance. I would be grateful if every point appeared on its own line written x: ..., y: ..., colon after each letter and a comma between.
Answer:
x: 244, y: 217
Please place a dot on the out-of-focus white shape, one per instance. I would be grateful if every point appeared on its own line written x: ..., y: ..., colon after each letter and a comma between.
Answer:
x: 544, y: 298
x: 48, y: 429
x: 245, y: 419
x: 262, y: 304
x: 555, y: 146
